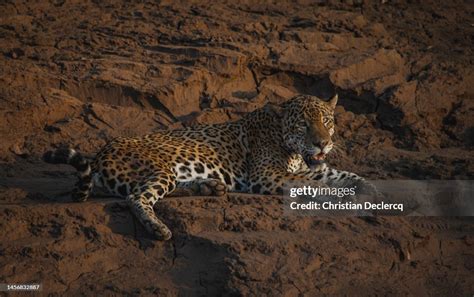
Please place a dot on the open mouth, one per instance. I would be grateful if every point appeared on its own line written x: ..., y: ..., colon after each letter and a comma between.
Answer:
x: 315, y: 159
x: 319, y: 156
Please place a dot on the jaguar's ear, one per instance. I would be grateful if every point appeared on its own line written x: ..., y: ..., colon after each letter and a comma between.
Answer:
x: 274, y: 109
x: 333, y: 101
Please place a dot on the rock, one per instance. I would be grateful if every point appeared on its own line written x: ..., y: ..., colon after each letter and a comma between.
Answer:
x: 376, y: 73
x: 18, y: 150
x: 17, y: 53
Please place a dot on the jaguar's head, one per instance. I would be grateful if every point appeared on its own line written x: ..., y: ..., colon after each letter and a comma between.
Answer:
x: 308, y: 124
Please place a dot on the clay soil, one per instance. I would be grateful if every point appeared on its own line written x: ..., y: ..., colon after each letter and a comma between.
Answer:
x: 79, y: 73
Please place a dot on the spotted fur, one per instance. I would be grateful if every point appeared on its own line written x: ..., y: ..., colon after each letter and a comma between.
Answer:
x: 263, y: 153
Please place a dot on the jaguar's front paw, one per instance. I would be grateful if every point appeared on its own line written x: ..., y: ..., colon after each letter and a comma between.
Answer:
x: 366, y: 188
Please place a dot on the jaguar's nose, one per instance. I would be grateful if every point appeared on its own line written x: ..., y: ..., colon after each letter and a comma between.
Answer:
x: 322, y: 143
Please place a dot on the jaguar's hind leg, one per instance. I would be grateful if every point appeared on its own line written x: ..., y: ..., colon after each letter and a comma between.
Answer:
x: 143, y: 199
x: 200, y: 187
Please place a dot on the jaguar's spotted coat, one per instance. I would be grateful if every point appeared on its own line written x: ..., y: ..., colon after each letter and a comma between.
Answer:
x: 263, y: 152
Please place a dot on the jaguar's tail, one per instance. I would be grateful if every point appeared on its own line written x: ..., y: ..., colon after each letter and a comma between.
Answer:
x: 75, y: 159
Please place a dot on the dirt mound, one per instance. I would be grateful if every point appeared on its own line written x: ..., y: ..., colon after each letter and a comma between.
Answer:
x: 79, y: 74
